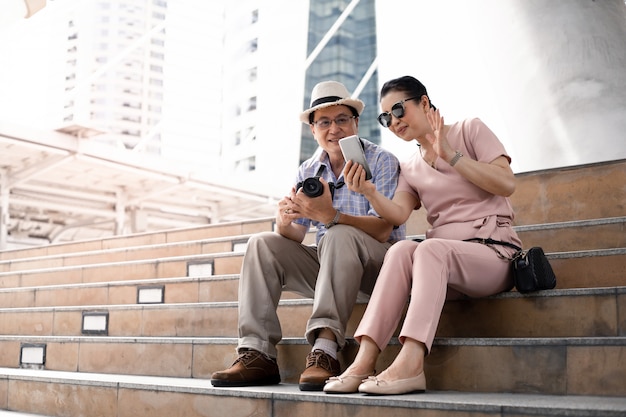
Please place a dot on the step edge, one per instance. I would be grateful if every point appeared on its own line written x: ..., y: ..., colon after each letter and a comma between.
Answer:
x: 501, y: 403
x: 128, y: 248
x: 297, y: 341
x: 199, y: 258
x: 124, y: 283
x: 192, y: 258
x: 529, y: 227
x: 308, y: 301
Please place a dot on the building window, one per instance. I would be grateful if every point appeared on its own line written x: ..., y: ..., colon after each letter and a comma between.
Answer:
x: 252, y: 103
x: 253, y: 45
x: 246, y: 165
x: 250, y: 134
x: 252, y: 74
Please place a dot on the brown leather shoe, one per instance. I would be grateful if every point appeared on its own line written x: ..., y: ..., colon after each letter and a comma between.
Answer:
x: 251, y: 368
x: 320, y: 366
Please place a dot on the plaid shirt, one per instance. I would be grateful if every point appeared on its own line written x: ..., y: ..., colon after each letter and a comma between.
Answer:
x: 385, y: 171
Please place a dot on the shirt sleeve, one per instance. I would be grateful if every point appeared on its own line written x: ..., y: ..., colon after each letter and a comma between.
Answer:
x: 481, y: 142
x: 385, y: 176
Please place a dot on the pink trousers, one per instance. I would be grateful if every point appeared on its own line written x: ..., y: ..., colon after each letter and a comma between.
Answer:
x: 424, y: 275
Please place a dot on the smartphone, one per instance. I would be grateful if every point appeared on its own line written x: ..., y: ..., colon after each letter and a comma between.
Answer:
x: 352, y: 150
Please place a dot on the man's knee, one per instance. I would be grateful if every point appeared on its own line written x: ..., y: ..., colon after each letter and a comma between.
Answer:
x: 263, y: 239
x: 340, y: 235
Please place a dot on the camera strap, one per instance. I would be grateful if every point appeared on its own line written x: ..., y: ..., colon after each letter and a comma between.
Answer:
x: 319, y: 173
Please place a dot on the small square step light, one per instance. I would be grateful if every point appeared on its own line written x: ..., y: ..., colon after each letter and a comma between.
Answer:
x: 95, y: 322
x: 33, y: 355
x: 151, y: 294
x: 200, y: 269
x: 240, y: 245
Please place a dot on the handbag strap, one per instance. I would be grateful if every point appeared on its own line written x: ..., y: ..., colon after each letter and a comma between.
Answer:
x: 489, y: 241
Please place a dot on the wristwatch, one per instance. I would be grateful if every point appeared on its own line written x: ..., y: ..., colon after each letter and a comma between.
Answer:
x: 334, y: 221
x: 455, y: 159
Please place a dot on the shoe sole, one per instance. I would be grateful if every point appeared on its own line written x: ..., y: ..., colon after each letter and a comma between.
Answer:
x: 229, y: 384
x: 306, y: 386
x: 378, y: 394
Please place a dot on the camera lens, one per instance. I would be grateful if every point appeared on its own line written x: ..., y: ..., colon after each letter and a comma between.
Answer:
x: 312, y: 187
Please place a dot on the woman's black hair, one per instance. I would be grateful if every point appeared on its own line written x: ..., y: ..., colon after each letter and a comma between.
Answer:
x: 407, y: 84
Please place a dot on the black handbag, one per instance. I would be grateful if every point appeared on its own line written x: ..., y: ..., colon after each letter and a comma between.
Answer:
x: 531, y: 269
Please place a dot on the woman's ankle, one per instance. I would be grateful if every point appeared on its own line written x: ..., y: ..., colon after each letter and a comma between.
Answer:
x: 409, y: 362
x: 365, y: 361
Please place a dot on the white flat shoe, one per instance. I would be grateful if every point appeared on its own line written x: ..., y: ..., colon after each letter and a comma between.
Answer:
x: 374, y: 386
x: 348, y: 384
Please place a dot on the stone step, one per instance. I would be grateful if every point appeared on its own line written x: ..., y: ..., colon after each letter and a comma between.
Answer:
x: 582, y: 269
x: 544, y: 314
x: 583, y: 192
x: 575, y: 269
x: 144, y: 291
x: 589, y: 269
x: 559, y: 366
x: 36, y: 391
x: 124, y: 254
x: 567, y: 342
x: 541, y: 197
x: 120, y: 243
x: 553, y: 237
x: 197, y: 289
x: 169, y: 267
x: 560, y: 195
x: 607, y: 233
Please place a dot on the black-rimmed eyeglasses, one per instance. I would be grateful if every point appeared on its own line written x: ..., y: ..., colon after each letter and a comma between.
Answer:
x: 397, y: 110
x: 323, y: 124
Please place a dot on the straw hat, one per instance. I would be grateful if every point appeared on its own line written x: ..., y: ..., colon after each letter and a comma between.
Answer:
x: 330, y: 93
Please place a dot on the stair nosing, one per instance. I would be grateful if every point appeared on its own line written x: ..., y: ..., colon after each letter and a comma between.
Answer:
x: 197, y: 257
x: 118, y: 283
x: 496, y: 403
x: 571, y: 223
x: 129, y: 248
x: 614, y: 290
x: 293, y: 341
x: 531, y: 227
x: 210, y: 256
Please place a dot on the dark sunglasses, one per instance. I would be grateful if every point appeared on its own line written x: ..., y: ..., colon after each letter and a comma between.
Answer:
x: 397, y: 110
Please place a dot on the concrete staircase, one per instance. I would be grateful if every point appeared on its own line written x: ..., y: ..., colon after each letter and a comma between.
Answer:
x: 135, y: 325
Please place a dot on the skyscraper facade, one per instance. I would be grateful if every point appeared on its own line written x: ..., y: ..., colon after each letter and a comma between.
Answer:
x: 115, y: 69
x: 341, y: 46
x: 264, y: 53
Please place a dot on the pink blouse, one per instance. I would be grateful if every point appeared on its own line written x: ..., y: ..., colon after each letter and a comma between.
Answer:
x: 455, y: 207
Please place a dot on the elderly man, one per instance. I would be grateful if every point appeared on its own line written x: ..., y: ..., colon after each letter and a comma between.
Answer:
x: 351, y: 242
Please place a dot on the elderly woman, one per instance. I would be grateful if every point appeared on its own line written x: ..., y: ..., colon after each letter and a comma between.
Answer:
x: 461, y: 175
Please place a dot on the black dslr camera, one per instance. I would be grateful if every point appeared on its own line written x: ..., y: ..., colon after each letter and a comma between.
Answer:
x: 313, y: 187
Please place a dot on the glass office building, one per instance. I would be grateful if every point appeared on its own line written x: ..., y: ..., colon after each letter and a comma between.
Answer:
x: 348, y: 36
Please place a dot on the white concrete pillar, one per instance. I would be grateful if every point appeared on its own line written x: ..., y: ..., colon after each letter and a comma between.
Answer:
x: 548, y: 76
x: 138, y: 220
x: 4, y: 210
x: 120, y: 213
x: 559, y: 74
